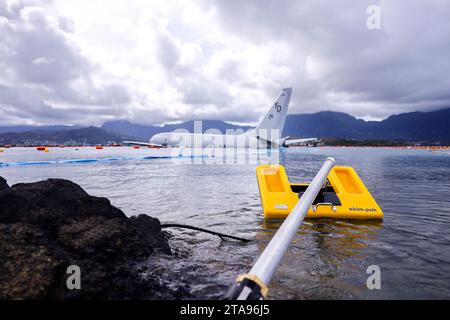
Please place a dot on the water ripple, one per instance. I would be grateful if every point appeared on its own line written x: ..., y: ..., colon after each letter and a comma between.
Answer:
x: 327, y: 258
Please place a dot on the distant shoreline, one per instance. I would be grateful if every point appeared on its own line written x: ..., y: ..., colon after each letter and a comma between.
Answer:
x: 354, y: 145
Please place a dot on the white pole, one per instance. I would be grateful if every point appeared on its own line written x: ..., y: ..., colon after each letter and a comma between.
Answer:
x: 265, y: 266
x: 254, y: 285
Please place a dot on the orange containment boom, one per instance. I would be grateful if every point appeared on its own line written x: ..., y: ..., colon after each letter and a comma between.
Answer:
x: 343, y: 197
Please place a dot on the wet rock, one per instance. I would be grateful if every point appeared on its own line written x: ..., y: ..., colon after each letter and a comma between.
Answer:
x: 52, y: 201
x: 3, y: 184
x: 30, y: 262
x: 4, y: 188
x: 49, y: 225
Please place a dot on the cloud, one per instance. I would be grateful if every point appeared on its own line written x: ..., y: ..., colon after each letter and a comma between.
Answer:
x: 342, y: 65
x: 168, y: 49
x: 152, y: 62
x: 45, y: 75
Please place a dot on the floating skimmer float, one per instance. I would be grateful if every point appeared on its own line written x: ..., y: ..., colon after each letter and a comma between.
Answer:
x: 343, y: 195
x: 338, y: 185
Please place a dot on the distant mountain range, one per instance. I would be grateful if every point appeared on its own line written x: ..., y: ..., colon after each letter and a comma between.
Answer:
x: 88, y: 136
x: 145, y: 132
x: 433, y: 127
x: 416, y: 127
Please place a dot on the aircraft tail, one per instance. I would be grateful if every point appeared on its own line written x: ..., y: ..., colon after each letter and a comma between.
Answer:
x: 276, y: 117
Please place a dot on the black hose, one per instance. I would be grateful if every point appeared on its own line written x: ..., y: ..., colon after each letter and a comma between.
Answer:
x: 221, y: 235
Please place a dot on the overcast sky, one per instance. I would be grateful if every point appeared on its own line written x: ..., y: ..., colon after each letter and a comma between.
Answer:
x: 89, y: 61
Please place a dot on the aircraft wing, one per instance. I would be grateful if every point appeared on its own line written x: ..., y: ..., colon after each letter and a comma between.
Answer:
x: 146, y: 144
x: 290, y: 142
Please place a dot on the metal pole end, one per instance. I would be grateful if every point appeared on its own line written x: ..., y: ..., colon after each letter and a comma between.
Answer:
x: 247, y: 287
x: 332, y: 159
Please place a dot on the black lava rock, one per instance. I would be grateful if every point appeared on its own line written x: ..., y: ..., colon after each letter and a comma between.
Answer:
x: 47, y: 226
x: 4, y: 188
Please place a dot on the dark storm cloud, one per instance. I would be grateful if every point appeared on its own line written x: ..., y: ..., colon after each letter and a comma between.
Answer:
x: 219, y: 60
x: 168, y: 51
x: 44, y: 70
x: 402, y: 67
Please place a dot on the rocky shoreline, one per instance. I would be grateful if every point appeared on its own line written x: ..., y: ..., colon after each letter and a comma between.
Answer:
x: 47, y: 226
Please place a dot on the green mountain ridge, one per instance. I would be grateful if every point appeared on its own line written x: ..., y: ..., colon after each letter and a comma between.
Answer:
x: 413, y: 127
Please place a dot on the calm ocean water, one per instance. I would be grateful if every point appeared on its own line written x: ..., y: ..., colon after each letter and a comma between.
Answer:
x: 327, y: 259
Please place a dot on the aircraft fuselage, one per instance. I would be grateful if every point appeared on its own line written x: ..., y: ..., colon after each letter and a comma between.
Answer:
x: 200, y: 140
